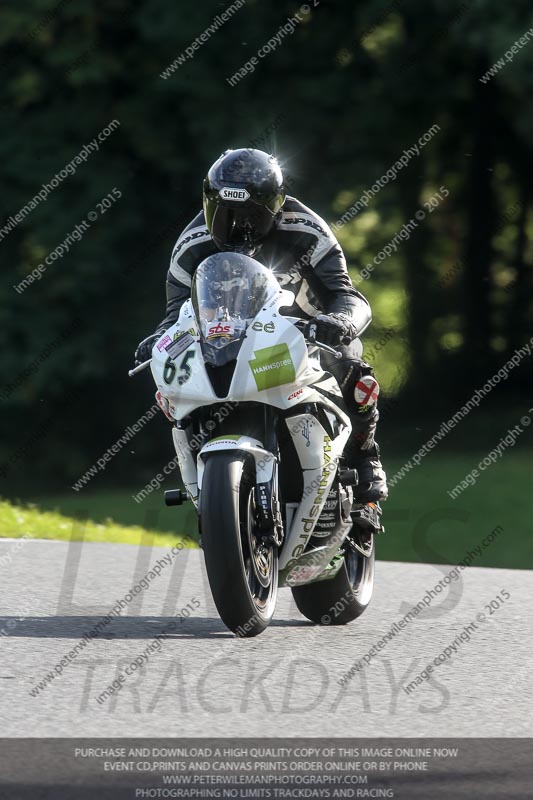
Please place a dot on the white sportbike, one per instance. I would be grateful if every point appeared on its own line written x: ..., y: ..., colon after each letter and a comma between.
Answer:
x: 259, y: 432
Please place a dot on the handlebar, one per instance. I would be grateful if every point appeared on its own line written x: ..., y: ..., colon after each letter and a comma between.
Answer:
x: 139, y: 368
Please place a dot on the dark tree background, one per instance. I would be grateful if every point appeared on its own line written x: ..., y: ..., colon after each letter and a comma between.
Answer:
x: 339, y: 100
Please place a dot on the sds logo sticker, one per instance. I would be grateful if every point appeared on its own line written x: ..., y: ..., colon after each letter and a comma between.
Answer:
x: 234, y: 194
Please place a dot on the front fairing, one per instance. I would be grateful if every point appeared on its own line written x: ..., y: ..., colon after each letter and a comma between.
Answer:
x: 269, y: 360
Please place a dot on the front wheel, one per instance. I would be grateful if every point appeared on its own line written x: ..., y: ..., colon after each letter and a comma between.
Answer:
x: 344, y: 597
x: 241, y: 567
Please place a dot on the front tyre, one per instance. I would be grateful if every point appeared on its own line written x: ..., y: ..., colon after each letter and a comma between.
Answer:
x: 344, y: 597
x: 242, y: 569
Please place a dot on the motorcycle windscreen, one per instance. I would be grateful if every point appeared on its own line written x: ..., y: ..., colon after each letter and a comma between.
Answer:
x: 228, y: 291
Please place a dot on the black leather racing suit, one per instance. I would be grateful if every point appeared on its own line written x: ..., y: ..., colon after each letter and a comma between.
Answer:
x: 307, y: 259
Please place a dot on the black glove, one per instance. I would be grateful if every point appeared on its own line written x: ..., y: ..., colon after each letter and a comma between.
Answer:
x: 144, y: 348
x: 331, y: 329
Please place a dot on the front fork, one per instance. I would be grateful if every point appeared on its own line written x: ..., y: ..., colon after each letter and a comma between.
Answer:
x: 268, y: 509
x: 187, y: 462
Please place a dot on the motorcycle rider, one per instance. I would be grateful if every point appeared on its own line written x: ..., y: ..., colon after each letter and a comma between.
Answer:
x: 246, y: 210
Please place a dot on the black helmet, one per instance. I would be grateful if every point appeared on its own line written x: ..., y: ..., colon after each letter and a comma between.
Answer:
x: 243, y: 193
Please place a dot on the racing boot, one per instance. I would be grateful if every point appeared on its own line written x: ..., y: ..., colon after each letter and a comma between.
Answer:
x: 371, y: 486
x: 362, y: 454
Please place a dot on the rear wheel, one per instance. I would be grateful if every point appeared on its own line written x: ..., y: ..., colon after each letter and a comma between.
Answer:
x: 344, y: 597
x: 241, y: 567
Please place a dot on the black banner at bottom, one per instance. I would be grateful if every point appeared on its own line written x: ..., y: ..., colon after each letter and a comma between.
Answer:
x: 79, y: 769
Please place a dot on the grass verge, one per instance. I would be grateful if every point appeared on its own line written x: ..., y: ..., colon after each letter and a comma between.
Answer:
x: 17, y: 521
x: 423, y: 523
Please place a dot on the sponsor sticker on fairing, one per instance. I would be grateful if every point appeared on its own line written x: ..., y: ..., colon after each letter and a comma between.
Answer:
x: 164, y: 405
x: 366, y: 391
x: 222, y: 441
x: 294, y: 395
x: 179, y: 334
x: 240, y: 195
x: 179, y: 345
x: 272, y: 366
x: 220, y: 329
x: 163, y: 343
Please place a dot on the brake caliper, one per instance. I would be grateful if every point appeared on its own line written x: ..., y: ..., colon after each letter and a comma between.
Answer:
x: 268, y: 515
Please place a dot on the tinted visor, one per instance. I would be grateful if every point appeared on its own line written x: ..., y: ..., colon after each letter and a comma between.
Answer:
x: 233, y: 227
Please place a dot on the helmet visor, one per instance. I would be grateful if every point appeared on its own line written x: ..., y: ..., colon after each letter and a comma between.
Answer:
x: 234, y: 227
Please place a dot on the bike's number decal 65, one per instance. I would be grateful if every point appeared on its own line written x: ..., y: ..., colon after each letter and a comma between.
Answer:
x: 183, y: 371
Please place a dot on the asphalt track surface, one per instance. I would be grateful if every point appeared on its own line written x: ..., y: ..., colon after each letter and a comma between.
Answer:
x: 203, y: 681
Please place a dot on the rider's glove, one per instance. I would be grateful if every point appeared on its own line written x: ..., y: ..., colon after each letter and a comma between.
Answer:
x: 331, y: 329
x: 144, y: 348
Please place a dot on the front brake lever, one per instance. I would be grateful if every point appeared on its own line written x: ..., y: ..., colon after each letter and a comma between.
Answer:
x: 327, y: 349
x: 311, y: 339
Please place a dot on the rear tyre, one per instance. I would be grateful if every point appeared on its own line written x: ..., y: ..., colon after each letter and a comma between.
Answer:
x: 344, y: 597
x: 241, y: 568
